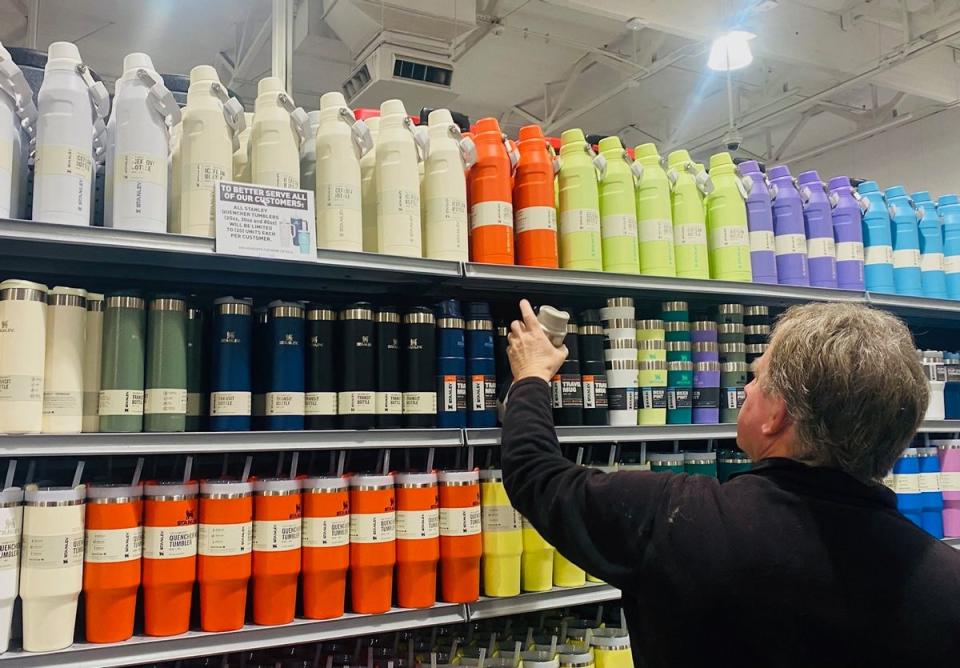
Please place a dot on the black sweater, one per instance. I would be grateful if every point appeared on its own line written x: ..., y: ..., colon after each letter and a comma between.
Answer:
x: 784, y: 565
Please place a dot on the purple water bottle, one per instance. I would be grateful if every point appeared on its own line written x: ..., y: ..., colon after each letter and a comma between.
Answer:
x: 848, y: 233
x: 790, y: 234
x: 763, y: 257
x: 821, y: 247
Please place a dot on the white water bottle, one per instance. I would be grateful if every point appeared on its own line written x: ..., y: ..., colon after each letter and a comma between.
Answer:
x: 241, y: 157
x: 308, y: 153
x: 445, y: 191
x: 368, y: 189
x: 274, y: 143
x: 138, y: 147
x: 66, y: 334
x: 338, y: 181
x: 206, y: 152
x: 16, y: 107
x: 11, y: 524
x: 173, y: 179
x: 398, y: 184
x: 65, y: 127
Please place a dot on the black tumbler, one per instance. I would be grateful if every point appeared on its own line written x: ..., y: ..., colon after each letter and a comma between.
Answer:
x: 321, y: 399
x: 420, y: 353
x: 356, y: 401
x: 389, y: 399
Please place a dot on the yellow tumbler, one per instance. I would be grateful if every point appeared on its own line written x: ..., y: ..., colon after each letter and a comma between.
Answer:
x: 537, y: 561
x: 502, y: 537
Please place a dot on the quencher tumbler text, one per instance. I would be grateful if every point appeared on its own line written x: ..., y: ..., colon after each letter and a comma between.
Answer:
x: 326, y: 546
x: 111, y: 561
x: 418, y: 539
x: 225, y: 548
x: 502, y: 537
x: 276, y: 549
x: 461, y: 544
x: 11, y: 525
x: 373, y: 548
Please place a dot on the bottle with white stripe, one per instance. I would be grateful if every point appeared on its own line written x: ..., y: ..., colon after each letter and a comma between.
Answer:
x: 877, y: 240
x: 932, y: 278
x: 817, y: 217
x: 948, y: 207
x: 337, y: 177
x: 397, y: 184
x: 689, y: 220
x: 445, y: 191
x: 906, y: 243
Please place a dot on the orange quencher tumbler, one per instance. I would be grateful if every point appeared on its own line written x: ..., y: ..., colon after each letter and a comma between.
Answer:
x: 489, y: 185
x: 276, y: 549
x: 169, y: 556
x: 225, y: 547
x: 418, y: 539
x: 534, y: 214
x: 111, y: 560
x: 461, y: 543
x: 373, y: 545
x: 326, y: 546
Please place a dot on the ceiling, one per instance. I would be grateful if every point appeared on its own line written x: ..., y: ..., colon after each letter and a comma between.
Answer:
x: 825, y: 71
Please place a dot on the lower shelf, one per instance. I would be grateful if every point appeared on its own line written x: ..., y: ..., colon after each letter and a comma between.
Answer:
x: 558, y: 597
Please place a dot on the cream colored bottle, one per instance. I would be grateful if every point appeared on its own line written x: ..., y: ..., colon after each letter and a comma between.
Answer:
x: 338, y: 182
x: 93, y: 343
x: 64, y: 359
x: 368, y: 189
x: 274, y: 144
x: 398, y: 184
x: 173, y: 173
x: 445, y: 192
x: 23, y: 315
x: 206, y: 153
x: 241, y: 157
x: 51, y: 565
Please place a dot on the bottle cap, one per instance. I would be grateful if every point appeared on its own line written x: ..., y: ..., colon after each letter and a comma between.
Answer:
x: 269, y: 85
x: 896, y: 191
x: 229, y: 487
x: 113, y: 491
x: 134, y: 61
x: 12, y: 496
x: 920, y: 196
x: 486, y: 125
x: 441, y: 117
x: 449, y: 308
x: 54, y: 495
x: 65, y: 52
x: 530, y: 132
x: 265, y: 485
x: 646, y: 151
x: 838, y: 182
x: 610, y: 144
x: 720, y: 160
x: 416, y: 479
x: 553, y: 321
x: 677, y: 158
x: 332, y: 100
x: 478, y: 311
x: 778, y: 172
x: 749, y: 167
x: 868, y: 187
x: 369, y: 480
x: 202, y: 73
x: 572, y: 136
x: 809, y: 177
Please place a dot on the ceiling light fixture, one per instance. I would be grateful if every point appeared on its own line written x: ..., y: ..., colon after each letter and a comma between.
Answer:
x: 731, y: 51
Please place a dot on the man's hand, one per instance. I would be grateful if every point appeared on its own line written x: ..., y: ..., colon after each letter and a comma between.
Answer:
x: 531, y: 353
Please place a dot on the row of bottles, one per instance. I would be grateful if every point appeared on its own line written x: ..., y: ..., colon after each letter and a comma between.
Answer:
x: 926, y: 480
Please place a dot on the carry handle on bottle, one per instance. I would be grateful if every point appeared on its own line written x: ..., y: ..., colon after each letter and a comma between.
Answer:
x: 703, y: 180
x: 232, y: 112
x: 99, y: 140
x: 14, y: 84
x: 636, y: 168
x: 359, y: 132
x: 468, y: 149
x: 512, y: 152
x: 771, y: 188
x: 97, y: 91
x: 554, y: 159
x: 298, y: 117
x: 161, y: 98
x: 421, y: 137
x: 862, y: 201
x: 599, y: 162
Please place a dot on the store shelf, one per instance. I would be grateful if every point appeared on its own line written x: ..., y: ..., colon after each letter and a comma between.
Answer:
x: 33, y: 445
x: 940, y: 427
x: 607, y: 434
x: 953, y: 542
x: 916, y: 309
x: 143, y: 650
x: 558, y: 597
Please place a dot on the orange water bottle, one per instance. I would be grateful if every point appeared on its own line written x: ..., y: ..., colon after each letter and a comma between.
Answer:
x: 169, y: 556
x: 276, y: 549
x: 326, y: 546
x: 373, y: 545
x: 225, y: 546
x: 461, y: 542
x: 491, y: 208
x: 418, y: 539
x: 111, y: 561
x: 534, y: 214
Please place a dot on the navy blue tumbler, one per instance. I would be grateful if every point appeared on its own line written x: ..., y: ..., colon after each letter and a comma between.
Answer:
x: 451, y: 366
x: 481, y: 368
x: 230, y: 378
x: 285, y: 391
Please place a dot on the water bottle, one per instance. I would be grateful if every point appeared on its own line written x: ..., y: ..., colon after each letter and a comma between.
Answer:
x: 534, y: 215
x: 790, y: 237
x: 932, y: 278
x: 16, y: 109
x: 567, y: 384
x: 397, y: 183
x: 230, y: 378
x: 931, y: 496
x: 63, y: 361
x: 481, y: 370
x: 420, y: 357
x: 818, y: 219
x: 949, y: 209
x: 906, y: 243
x: 320, y: 400
x: 451, y: 366
x: 727, y: 232
x: 285, y: 396
x: 173, y: 179
x: 877, y: 239
x: 338, y: 180
x: 618, y: 209
x: 848, y: 234
x: 689, y: 221
x: 165, y: 399
x: 389, y: 397
x: 122, y: 363
x: 654, y: 215
x: 368, y: 188
x: 241, y: 157
x: 906, y: 484
x: 356, y: 400
x: 951, y: 388
x: 308, y: 153
x: 592, y: 371
x: 446, y: 226
x: 763, y: 256
x: 274, y: 141
x: 580, y: 237
x: 491, y: 199
x: 137, y: 159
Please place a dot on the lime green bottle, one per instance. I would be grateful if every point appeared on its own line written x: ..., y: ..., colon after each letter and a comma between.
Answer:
x: 580, y: 240
x: 618, y: 210
x: 727, y: 232
x: 654, y: 217
x: 689, y: 224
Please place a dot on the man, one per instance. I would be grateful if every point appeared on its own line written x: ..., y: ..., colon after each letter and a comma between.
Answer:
x: 802, y: 561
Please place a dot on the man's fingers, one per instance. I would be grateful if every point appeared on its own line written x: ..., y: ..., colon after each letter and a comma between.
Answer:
x: 516, y: 328
x: 529, y: 317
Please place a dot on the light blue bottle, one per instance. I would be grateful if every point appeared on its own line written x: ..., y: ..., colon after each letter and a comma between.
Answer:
x: 933, y: 281
x: 949, y: 209
x: 906, y: 243
x: 877, y: 241
x: 906, y: 474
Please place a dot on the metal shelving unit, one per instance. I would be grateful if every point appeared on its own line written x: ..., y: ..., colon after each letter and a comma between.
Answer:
x: 558, y: 597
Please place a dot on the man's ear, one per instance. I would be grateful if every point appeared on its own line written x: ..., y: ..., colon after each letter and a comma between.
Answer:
x: 777, y: 419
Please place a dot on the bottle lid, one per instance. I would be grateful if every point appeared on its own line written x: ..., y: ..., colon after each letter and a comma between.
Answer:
x: 868, y: 187
x: 478, y: 311
x: 135, y: 61
x: 54, y: 495
x: 678, y: 157
x: 287, y: 485
x: 839, y: 182
x: 357, y: 311
x: 419, y: 315
x: 896, y: 191
x: 590, y: 317
x: 391, y: 107
x: 485, y: 125
x: 269, y: 85
x: 63, y: 55
x: 665, y: 457
x: 440, y: 117
x: 202, y: 73
x: 170, y: 488
x: 491, y: 475
x: 33, y: 291
x: 107, y: 491
x: 388, y: 314
x: 459, y: 477
x: 572, y: 136
x: 371, y: 481
x: 321, y: 312
x: 699, y: 457
x: 611, y: 144
x: 332, y: 100
x: 619, y: 301
x: 672, y: 307
x: 324, y: 482
x: 280, y: 308
x: 720, y: 160
x: 553, y: 321
x: 810, y: 176
x: 730, y: 309
x: 12, y: 496
x: 227, y: 487
x: 778, y: 172
x: 412, y: 479
x: 649, y: 324
x: 449, y: 308
x: 749, y: 167
x: 920, y: 196
x: 948, y: 200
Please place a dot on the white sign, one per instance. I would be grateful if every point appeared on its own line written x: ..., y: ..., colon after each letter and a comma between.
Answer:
x: 262, y: 221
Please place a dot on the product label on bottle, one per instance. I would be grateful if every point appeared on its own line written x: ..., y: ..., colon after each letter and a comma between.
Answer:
x: 483, y: 392
x: 107, y: 546
x: 951, y: 264
x: 622, y: 398
x: 143, y: 167
x: 165, y: 401
x: 285, y: 403
x: 18, y: 387
x: 849, y: 251
x: 62, y: 404
x: 356, y: 403
x: 619, y: 225
x: 276, y: 535
x: 420, y: 403
x: 735, y: 396
x: 762, y: 241
x: 728, y: 236
x: 203, y: 175
x: 594, y: 391
x: 655, y: 229
x: 878, y: 255
x: 460, y: 521
x: 931, y: 262
x: 953, y: 373
x: 929, y: 482
x: 790, y: 244
x: 491, y: 213
x: 679, y: 398
x: 579, y: 220
x: 277, y: 179
x: 225, y: 540
x: 706, y: 397
x: 120, y: 402
x: 60, y: 160
x: 326, y: 531
x: 418, y: 524
x: 321, y: 403
x: 10, y: 528
x: 446, y: 211
x: 454, y: 390
x: 373, y: 527
x: 170, y: 542
x: 533, y: 218
x: 567, y: 391
x: 950, y: 481
x: 229, y: 404
x: 906, y: 483
x: 500, y: 518
x: 338, y: 196
x: 398, y: 214
x: 653, y: 397
x: 389, y: 403
x: 906, y: 259
x: 690, y: 234
x: 51, y: 552
x: 821, y: 247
